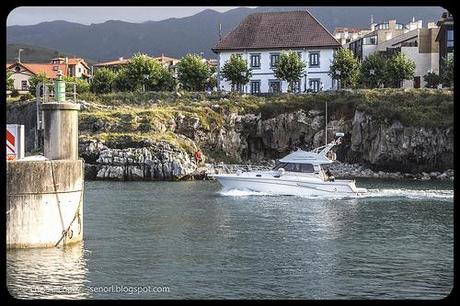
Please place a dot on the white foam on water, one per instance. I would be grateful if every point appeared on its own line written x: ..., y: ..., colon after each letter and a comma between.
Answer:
x: 241, y: 193
x: 372, y: 193
x: 412, y: 193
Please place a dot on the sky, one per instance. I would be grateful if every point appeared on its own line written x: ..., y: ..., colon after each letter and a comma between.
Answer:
x: 87, y: 15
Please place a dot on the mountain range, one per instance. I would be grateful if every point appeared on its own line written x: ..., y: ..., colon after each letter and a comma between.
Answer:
x: 178, y: 36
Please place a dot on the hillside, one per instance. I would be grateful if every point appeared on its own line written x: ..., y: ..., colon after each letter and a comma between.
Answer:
x: 34, y: 54
x: 178, y: 36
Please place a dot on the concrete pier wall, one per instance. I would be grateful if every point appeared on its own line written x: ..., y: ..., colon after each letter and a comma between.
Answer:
x: 44, y: 200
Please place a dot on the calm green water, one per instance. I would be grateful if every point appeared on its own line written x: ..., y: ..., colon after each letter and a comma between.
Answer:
x: 200, y: 242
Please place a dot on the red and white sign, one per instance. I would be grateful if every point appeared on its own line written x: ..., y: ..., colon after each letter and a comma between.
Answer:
x: 14, y: 141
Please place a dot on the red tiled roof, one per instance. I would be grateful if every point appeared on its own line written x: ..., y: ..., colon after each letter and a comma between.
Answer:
x: 294, y: 29
x: 48, y: 69
x: 75, y: 61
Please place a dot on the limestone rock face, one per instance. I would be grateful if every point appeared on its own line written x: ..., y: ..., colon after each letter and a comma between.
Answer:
x: 393, y: 146
x: 379, y: 145
x: 159, y: 161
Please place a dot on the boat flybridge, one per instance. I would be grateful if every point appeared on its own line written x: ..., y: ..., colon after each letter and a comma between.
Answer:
x: 299, y: 173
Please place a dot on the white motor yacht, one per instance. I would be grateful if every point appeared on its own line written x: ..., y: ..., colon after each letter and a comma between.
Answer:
x: 299, y: 173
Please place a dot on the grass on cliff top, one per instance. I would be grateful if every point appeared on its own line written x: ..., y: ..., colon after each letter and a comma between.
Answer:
x: 138, y: 140
x: 413, y: 107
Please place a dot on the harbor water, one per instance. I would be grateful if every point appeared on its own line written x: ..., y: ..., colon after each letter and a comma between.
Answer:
x: 193, y: 240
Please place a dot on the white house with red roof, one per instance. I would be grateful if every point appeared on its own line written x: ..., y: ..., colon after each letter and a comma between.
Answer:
x: 261, y: 37
x: 22, y: 72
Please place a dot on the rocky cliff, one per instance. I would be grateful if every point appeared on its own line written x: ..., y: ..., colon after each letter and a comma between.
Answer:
x: 156, y: 141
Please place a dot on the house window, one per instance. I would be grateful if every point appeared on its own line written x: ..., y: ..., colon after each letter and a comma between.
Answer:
x: 274, y: 86
x: 450, y: 38
x: 17, y: 68
x: 314, y: 85
x: 314, y: 59
x: 273, y: 59
x: 255, y: 61
x: 255, y: 87
x: 55, y: 68
x: 79, y: 69
x: 24, y: 85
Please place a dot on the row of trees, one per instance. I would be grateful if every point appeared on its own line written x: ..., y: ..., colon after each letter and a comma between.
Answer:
x: 383, y: 70
x: 193, y: 73
x: 145, y: 73
x: 377, y: 70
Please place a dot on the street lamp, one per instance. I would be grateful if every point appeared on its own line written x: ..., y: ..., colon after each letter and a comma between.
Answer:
x: 19, y: 54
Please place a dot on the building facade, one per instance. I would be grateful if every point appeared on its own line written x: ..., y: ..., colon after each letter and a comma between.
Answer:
x: 22, y: 72
x: 420, y: 46
x: 379, y: 33
x: 261, y: 37
x: 445, y: 37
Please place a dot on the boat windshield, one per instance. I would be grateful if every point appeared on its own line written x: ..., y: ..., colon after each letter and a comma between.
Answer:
x: 295, y: 167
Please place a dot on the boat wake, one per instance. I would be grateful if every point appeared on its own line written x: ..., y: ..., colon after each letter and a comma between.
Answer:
x: 242, y: 193
x: 411, y: 194
x: 446, y: 195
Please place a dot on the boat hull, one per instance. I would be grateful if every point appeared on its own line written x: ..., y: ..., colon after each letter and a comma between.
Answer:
x: 291, y: 186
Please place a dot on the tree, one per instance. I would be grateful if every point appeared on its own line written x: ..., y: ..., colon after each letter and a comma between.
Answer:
x: 82, y: 85
x: 345, y: 68
x: 103, y: 80
x: 34, y: 80
x: 166, y: 81
x: 236, y: 71
x: 372, y: 71
x: 9, y: 80
x: 144, y: 73
x: 193, y: 72
x: 399, y: 68
x: 432, y: 80
x: 121, y: 82
x: 447, y: 71
x: 289, y: 67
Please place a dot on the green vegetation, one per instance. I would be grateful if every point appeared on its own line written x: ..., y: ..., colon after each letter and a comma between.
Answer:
x: 399, y: 68
x: 9, y: 80
x: 236, y: 71
x: 345, y: 68
x: 372, y: 72
x: 154, y: 115
x: 81, y: 85
x: 290, y: 68
x: 193, y: 72
x: 447, y: 71
x: 34, y: 80
x: 102, y: 81
x: 432, y: 80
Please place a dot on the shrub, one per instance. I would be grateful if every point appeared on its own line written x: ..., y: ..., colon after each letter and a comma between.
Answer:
x: 26, y: 97
x: 14, y: 93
